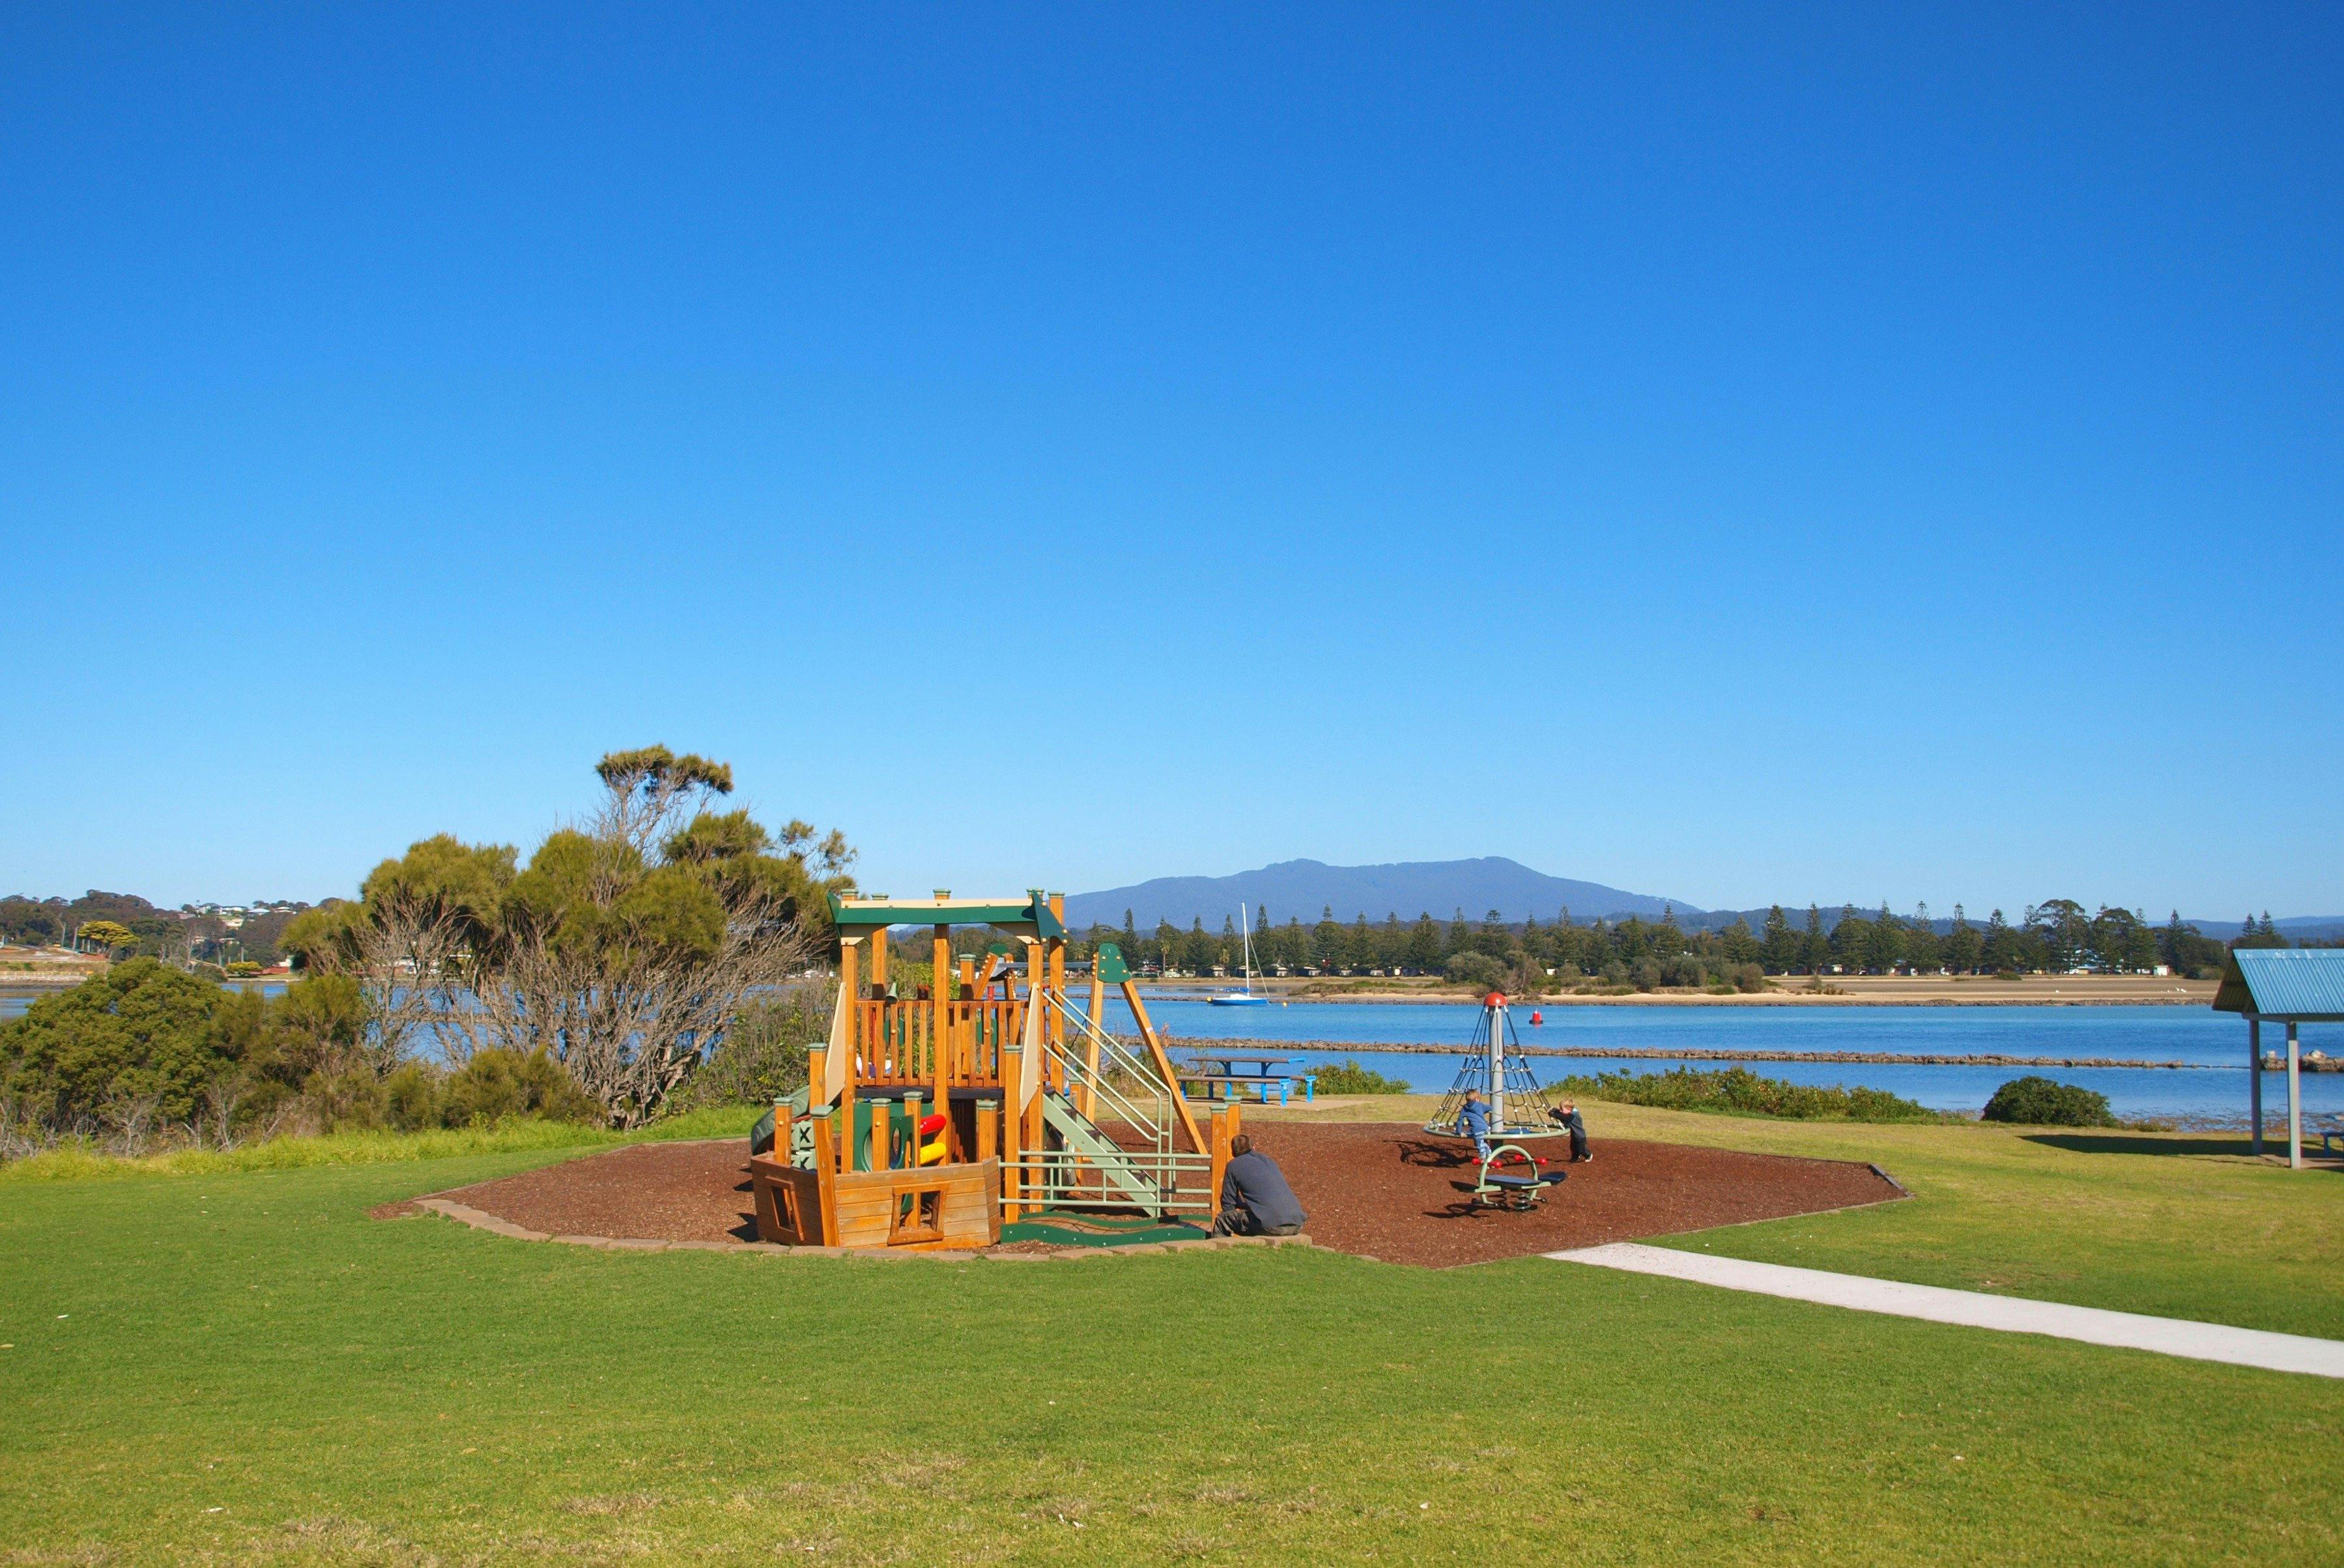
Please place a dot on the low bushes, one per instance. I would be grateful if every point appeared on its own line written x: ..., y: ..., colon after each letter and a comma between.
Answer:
x: 1351, y: 1078
x: 495, y: 1086
x: 2038, y: 1101
x: 763, y: 1056
x: 144, y: 1057
x: 1738, y: 1091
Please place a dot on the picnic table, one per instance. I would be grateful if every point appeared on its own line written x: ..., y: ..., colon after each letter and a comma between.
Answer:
x: 1223, y: 1074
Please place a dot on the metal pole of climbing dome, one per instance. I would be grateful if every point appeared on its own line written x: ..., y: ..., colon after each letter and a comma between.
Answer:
x: 1496, y: 1004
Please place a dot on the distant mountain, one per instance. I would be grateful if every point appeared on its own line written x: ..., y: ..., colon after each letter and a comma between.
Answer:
x: 1302, y: 889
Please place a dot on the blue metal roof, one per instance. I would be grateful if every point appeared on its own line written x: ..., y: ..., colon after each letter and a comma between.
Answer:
x: 2284, y: 983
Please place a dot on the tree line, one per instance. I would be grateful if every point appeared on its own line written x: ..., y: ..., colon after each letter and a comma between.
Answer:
x: 2057, y: 936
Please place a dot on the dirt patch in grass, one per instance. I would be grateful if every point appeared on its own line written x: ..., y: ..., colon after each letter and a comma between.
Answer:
x: 1381, y: 1191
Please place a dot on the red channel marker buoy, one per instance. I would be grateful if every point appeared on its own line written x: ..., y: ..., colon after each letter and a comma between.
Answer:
x: 1537, y: 1017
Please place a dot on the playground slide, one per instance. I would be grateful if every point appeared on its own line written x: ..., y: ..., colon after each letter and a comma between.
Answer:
x: 1114, y: 1165
x: 760, y: 1137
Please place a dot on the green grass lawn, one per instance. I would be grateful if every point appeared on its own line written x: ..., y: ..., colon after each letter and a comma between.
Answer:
x: 240, y: 1365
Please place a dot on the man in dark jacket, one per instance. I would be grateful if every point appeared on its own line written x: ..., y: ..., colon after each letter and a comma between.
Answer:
x: 1255, y: 1199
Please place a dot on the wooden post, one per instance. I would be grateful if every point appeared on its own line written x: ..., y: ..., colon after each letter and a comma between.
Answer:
x: 1163, y: 1063
x: 825, y: 1168
x: 816, y: 1098
x: 2255, y: 1079
x: 1221, y: 1154
x: 879, y: 958
x: 1058, y: 977
x: 913, y: 1106
x: 785, y: 1121
x: 988, y: 1129
x: 940, y: 983
x: 2294, y: 1104
x: 838, y: 1069
x: 1013, y: 1177
x: 1090, y: 1042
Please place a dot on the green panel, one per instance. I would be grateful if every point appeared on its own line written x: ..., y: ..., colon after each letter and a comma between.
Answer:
x: 1112, y: 969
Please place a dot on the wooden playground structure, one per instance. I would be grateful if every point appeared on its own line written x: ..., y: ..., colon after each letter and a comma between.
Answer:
x: 977, y: 1090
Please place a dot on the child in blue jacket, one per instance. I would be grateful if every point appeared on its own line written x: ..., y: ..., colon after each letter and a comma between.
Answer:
x: 1474, y: 1122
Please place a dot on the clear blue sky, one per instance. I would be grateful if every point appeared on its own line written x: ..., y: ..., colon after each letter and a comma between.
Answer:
x: 1724, y: 454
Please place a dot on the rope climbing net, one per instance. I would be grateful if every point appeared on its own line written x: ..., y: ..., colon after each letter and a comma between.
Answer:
x: 1495, y: 1065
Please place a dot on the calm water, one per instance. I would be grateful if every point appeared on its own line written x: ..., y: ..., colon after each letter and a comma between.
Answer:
x: 2211, y: 1091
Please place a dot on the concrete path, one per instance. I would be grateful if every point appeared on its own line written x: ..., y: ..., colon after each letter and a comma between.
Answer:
x: 1973, y: 1309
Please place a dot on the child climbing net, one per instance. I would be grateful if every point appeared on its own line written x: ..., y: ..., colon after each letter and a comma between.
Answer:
x: 1496, y: 1097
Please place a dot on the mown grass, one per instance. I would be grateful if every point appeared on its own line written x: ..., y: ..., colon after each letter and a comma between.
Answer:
x: 243, y: 1366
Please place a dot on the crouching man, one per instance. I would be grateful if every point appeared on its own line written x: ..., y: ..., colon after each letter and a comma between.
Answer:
x: 1255, y: 1199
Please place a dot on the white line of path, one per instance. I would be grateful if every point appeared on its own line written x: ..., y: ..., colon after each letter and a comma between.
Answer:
x: 2092, y: 1325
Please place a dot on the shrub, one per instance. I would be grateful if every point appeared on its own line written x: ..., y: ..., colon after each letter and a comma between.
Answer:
x: 1747, y: 978
x: 1738, y: 1091
x: 1684, y: 970
x: 140, y: 1034
x: 2039, y: 1101
x: 1351, y: 1078
x: 412, y: 1099
x: 1478, y: 970
x: 500, y: 1084
x: 242, y: 969
x: 763, y: 1056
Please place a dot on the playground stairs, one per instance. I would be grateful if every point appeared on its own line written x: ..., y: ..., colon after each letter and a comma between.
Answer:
x: 1081, y: 1139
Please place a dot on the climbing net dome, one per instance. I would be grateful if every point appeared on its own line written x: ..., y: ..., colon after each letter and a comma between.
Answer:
x: 1495, y: 1065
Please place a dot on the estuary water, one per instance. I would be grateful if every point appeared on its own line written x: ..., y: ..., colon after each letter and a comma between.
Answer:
x: 2210, y: 1090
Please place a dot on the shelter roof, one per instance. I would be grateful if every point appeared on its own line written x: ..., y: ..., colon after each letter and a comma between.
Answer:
x: 1030, y: 915
x: 2300, y: 983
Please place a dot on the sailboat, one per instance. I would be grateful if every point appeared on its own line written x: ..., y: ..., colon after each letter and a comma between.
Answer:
x: 1243, y: 997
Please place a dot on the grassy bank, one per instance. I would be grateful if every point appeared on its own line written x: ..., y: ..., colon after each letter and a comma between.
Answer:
x: 73, y: 1162
x: 244, y: 1367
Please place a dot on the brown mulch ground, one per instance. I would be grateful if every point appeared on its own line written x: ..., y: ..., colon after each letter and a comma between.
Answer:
x: 1390, y: 1192
x: 1374, y: 1189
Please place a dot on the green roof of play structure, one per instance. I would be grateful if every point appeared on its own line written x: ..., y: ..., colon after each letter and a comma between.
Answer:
x: 1031, y: 914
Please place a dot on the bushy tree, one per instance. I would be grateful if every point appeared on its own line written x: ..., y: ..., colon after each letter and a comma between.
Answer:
x: 141, y: 1042
x: 624, y: 949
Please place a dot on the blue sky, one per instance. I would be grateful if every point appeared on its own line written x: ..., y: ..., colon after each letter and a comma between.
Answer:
x: 1721, y: 454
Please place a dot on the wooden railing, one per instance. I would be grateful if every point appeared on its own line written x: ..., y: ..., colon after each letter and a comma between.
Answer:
x: 896, y: 1043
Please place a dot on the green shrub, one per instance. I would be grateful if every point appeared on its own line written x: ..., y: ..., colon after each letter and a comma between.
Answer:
x: 1738, y: 1091
x: 139, y: 1035
x: 1351, y: 1078
x: 500, y: 1084
x: 2039, y: 1101
x: 763, y: 1056
x: 412, y: 1099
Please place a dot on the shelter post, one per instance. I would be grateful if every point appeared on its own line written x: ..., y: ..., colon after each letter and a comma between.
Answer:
x: 2255, y: 1079
x: 2294, y: 1103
